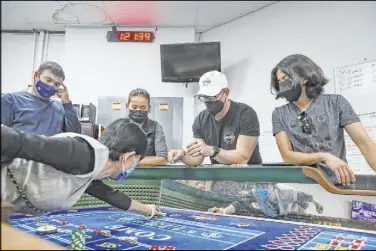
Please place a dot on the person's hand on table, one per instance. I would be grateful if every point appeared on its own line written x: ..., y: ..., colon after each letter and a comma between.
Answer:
x: 243, y: 193
x: 153, y: 210
x: 344, y: 173
x: 200, y: 186
x: 319, y: 207
x: 217, y: 210
x: 198, y: 147
x: 175, y: 155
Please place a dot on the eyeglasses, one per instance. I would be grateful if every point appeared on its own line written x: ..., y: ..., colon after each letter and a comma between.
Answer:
x: 210, y: 98
x: 305, y: 123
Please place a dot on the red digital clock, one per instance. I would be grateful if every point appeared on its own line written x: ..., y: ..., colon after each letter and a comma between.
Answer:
x: 130, y: 36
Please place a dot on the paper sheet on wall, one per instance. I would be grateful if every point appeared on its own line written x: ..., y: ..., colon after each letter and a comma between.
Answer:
x: 357, y: 83
x: 354, y: 156
x: 268, y: 147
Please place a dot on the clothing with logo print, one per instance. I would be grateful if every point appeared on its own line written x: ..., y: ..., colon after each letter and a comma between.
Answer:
x: 240, y: 119
x: 328, y: 114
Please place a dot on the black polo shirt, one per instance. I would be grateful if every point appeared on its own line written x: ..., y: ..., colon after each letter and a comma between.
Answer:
x: 240, y: 119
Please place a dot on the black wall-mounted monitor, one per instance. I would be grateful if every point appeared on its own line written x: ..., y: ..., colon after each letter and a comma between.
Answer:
x: 187, y: 62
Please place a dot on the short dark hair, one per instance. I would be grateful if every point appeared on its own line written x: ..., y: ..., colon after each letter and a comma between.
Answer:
x: 123, y: 136
x: 55, y: 68
x: 298, y: 66
x: 139, y: 91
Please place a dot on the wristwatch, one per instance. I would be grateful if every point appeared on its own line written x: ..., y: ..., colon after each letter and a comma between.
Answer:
x: 216, y: 150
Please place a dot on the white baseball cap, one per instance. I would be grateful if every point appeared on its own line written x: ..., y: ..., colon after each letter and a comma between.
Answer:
x: 212, y: 83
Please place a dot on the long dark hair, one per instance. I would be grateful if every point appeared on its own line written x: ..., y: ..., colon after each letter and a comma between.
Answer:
x: 122, y: 136
x: 299, y: 67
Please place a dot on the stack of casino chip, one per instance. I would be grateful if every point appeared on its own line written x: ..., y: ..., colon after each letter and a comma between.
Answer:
x: 77, y: 240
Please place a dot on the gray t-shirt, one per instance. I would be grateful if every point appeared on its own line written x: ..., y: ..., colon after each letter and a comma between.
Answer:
x: 327, y: 114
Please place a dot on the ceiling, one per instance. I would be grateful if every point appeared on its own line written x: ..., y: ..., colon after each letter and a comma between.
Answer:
x: 55, y: 15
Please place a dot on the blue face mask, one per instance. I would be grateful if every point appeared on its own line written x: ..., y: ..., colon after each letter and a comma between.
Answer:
x: 125, y: 173
x: 44, y: 90
x: 262, y: 196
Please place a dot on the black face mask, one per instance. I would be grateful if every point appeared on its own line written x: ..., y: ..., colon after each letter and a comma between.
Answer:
x: 214, y: 107
x: 138, y: 116
x: 288, y: 91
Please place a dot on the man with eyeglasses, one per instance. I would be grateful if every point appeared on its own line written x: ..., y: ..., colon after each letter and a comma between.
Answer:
x: 309, y: 129
x: 227, y: 131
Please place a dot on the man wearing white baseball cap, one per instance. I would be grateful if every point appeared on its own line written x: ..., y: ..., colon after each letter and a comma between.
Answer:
x: 226, y: 131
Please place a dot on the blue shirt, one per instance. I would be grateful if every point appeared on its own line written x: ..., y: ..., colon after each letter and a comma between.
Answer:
x: 26, y: 112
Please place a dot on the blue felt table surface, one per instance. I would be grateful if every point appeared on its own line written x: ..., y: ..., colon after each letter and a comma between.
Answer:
x: 192, y: 230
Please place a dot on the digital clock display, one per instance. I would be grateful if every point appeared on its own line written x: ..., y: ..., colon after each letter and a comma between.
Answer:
x: 130, y: 36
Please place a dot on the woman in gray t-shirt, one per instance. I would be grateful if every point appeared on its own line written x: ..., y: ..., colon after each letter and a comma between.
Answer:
x: 309, y: 129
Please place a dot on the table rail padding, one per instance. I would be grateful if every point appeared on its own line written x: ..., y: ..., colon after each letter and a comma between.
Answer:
x: 250, y: 173
x: 321, y: 178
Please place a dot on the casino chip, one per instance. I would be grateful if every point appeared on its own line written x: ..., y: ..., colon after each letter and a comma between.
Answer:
x: 154, y: 247
x: 174, y: 215
x: 63, y: 222
x: 46, y: 230
x: 105, y: 232
x: 168, y: 248
x: 128, y: 239
x: 77, y: 240
x: 82, y: 227
x: 97, y: 231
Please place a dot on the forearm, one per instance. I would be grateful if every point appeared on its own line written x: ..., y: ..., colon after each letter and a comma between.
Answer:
x: 369, y: 153
x: 140, y: 208
x: 152, y: 161
x: 69, y: 155
x: 231, y: 208
x: 298, y: 158
x: 110, y: 195
x: 229, y: 157
x: 71, y: 121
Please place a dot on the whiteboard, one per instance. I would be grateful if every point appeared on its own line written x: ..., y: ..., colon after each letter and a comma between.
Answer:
x: 355, y: 158
x: 357, y: 83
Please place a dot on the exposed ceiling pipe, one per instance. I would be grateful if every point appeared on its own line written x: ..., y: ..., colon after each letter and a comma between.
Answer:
x: 45, y: 50
x: 40, y: 43
x: 33, y: 58
x: 31, y: 32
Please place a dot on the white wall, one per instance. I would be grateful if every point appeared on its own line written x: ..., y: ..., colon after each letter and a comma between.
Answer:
x: 333, y: 34
x: 17, y: 58
x: 55, y: 49
x: 16, y: 61
x: 95, y: 67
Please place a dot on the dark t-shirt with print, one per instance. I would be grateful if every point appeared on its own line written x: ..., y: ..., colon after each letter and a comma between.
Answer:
x: 328, y: 114
x: 241, y: 119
